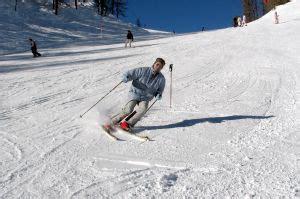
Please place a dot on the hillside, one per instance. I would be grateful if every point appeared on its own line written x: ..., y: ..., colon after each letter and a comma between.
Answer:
x: 69, y: 27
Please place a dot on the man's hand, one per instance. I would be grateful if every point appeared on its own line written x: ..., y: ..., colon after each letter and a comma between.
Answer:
x: 125, y: 79
x: 158, y: 97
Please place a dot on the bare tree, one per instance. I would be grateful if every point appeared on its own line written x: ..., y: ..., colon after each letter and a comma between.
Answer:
x: 112, y: 7
x: 56, y: 7
x: 97, y: 5
x: 251, y: 9
x: 103, y: 6
x: 16, y: 5
x: 117, y: 7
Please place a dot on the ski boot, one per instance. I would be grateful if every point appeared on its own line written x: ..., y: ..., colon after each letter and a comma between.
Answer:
x: 125, y: 126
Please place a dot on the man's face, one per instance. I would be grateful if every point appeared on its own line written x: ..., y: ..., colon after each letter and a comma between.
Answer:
x: 157, y: 66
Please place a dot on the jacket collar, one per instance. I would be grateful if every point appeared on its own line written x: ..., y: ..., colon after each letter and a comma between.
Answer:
x: 153, y: 72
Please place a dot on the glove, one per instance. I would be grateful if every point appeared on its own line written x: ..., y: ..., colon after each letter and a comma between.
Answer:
x: 125, y: 79
x: 158, y: 97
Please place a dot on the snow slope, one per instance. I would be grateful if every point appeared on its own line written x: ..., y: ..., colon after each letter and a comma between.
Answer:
x: 233, y: 130
x: 82, y: 26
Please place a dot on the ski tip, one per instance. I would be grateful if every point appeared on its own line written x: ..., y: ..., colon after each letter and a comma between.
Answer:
x: 148, y: 139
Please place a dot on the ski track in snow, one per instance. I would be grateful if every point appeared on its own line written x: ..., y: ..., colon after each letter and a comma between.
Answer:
x: 233, y: 129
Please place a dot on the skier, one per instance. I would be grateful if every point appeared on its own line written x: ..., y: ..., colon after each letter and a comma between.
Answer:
x: 129, y: 39
x: 276, y: 16
x: 235, y: 23
x: 34, y: 48
x: 239, y: 21
x: 244, y: 22
x: 147, y: 83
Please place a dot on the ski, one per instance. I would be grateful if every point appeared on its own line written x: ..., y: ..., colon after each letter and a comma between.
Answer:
x: 129, y: 133
x: 109, y: 134
x: 134, y: 136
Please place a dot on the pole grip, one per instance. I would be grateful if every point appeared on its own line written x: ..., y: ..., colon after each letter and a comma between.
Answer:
x: 171, y: 70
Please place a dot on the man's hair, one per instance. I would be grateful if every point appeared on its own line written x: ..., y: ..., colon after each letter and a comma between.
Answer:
x: 161, y: 60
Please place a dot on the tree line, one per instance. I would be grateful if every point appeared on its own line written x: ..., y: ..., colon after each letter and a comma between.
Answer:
x: 253, y: 9
x: 104, y: 7
x: 114, y: 7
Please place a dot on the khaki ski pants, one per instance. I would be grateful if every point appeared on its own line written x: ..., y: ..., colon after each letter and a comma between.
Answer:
x: 128, y: 108
x: 128, y: 41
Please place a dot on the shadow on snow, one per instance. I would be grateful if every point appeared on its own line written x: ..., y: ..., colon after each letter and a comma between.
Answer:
x: 192, y: 122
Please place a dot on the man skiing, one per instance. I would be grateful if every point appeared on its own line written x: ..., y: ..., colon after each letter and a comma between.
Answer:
x: 129, y: 38
x: 34, y: 48
x: 147, y: 83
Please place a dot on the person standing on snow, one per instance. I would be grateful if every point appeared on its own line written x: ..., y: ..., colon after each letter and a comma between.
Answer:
x: 244, y: 22
x: 147, y: 83
x: 239, y: 21
x: 235, y: 24
x: 129, y: 39
x: 236, y: 21
x: 276, y: 16
x: 34, y: 48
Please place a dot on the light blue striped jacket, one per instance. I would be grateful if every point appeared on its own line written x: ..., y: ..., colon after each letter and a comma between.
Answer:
x: 145, y: 84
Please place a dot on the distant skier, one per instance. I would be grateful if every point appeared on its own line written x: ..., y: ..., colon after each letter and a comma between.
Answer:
x: 129, y: 39
x: 147, y: 83
x: 244, y: 22
x: 34, y: 48
x: 276, y: 16
x: 239, y: 21
x: 235, y: 23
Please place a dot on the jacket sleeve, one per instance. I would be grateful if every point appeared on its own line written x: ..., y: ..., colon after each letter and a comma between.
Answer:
x: 161, y: 87
x: 132, y: 74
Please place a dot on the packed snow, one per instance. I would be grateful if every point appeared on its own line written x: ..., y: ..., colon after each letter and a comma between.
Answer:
x: 232, y: 131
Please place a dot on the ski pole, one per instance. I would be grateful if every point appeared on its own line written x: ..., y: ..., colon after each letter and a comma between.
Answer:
x: 171, y: 70
x: 101, y: 99
x: 150, y: 106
